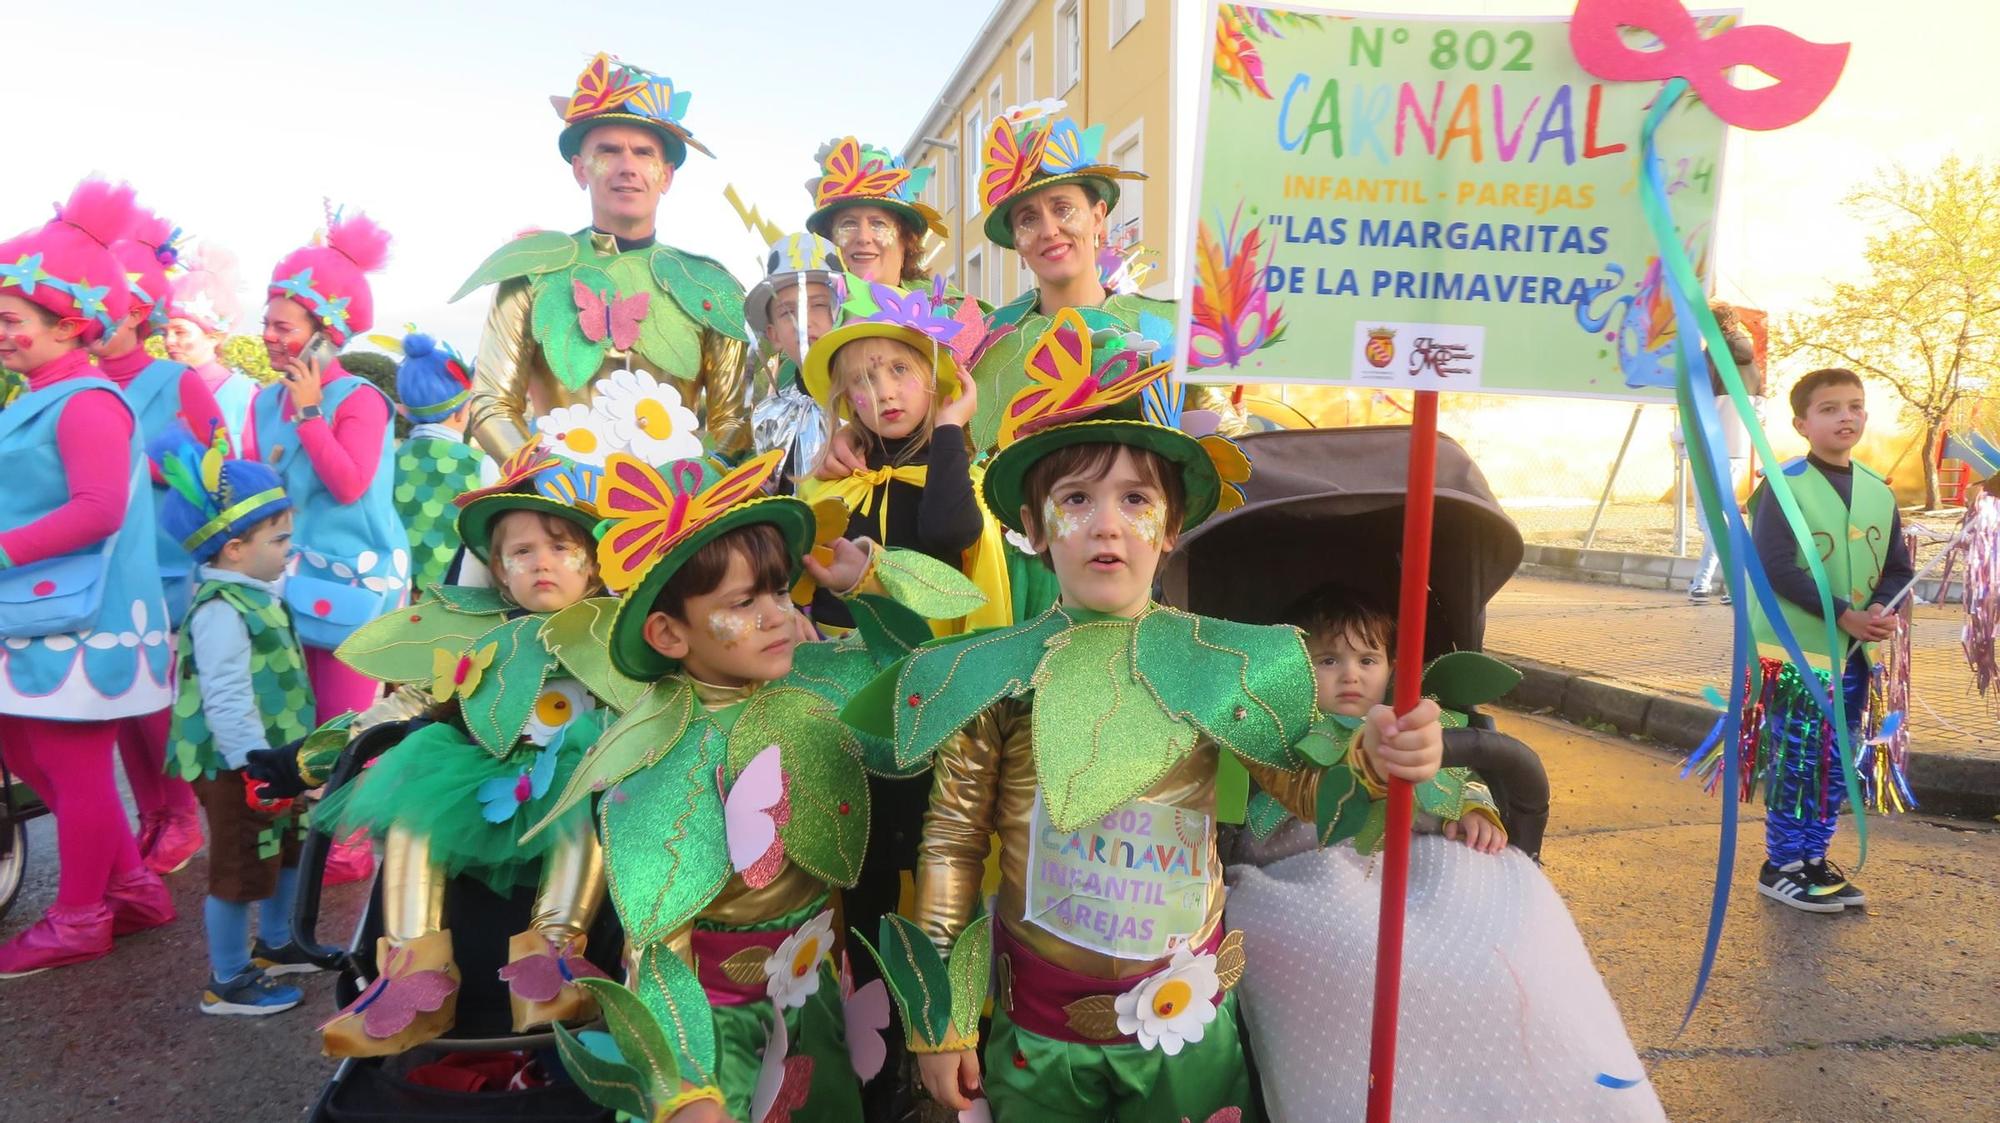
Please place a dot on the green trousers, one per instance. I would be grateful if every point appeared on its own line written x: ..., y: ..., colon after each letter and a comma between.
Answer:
x: 1034, y: 1079
x: 817, y: 1030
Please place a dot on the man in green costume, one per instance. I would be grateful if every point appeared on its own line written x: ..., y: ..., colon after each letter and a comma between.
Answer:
x: 570, y: 307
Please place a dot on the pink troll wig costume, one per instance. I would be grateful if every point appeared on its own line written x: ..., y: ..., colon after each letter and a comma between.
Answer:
x: 329, y: 278
x: 66, y: 266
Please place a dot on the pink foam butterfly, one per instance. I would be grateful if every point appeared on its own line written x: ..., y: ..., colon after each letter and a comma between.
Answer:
x: 753, y: 809
x: 540, y: 978
x: 614, y: 317
x: 866, y: 1012
x: 782, y: 1080
x: 395, y: 998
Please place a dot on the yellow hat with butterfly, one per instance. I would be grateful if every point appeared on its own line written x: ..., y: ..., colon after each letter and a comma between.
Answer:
x: 1104, y: 388
x: 660, y: 517
x: 610, y: 92
x: 856, y: 174
x: 1029, y: 148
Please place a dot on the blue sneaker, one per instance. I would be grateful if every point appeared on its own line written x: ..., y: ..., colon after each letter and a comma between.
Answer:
x: 252, y: 993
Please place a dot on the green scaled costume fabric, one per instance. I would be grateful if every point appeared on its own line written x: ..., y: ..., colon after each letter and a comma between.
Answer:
x: 1028, y: 1076
x: 430, y: 474
x: 526, y: 692
x: 277, y: 678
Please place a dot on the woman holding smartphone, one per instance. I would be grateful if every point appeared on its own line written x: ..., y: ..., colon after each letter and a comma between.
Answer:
x: 327, y: 433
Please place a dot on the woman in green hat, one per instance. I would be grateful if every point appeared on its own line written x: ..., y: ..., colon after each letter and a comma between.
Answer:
x: 866, y: 202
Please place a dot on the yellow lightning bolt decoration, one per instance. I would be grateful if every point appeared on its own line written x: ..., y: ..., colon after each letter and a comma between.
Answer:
x: 752, y: 221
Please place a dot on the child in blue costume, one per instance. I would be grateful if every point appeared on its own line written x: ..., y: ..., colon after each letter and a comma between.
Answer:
x: 434, y: 463
x: 243, y: 689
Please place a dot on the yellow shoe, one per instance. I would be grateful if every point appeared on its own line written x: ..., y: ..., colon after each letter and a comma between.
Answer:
x: 541, y: 981
x: 414, y: 1000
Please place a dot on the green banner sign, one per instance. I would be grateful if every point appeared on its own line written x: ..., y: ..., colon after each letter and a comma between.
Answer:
x: 1432, y: 203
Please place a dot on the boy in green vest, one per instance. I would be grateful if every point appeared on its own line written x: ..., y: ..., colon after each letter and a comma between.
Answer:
x: 434, y: 464
x: 243, y: 687
x: 1852, y: 515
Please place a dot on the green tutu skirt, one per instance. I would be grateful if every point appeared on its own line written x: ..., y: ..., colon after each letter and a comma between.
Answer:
x: 471, y: 806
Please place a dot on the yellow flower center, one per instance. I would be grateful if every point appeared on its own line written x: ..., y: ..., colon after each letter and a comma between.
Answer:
x: 805, y: 959
x: 654, y: 420
x: 581, y: 440
x: 1172, y: 998
x: 552, y: 708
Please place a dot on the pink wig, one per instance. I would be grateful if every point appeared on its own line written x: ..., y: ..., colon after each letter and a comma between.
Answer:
x: 330, y: 280
x: 67, y: 266
x: 207, y: 292
x: 144, y: 253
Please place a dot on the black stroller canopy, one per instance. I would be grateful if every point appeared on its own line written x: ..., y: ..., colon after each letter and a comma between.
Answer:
x: 1325, y: 506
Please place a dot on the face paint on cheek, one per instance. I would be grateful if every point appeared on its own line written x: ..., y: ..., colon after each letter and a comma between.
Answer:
x: 23, y: 342
x: 730, y: 626
x: 1148, y: 522
x: 1065, y: 522
x: 517, y: 565
x: 575, y: 561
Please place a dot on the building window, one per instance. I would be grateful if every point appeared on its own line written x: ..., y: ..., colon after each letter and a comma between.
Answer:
x: 996, y: 102
x: 975, y: 278
x: 1024, y: 73
x: 1022, y: 275
x: 970, y: 153
x: 1069, y: 46
x: 1125, y: 15
x: 1128, y: 151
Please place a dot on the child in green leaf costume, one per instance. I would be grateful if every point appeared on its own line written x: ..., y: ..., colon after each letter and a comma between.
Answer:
x: 519, y: 688
x: 1089, y: 739
x: 733, y: 798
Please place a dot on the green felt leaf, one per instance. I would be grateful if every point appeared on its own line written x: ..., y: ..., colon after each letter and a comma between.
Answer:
x: 927, y: 586
x: 1443, y: 795
x: 916, y: 976
x: 834, y: 670
x: 1001, y: 374
x: 639, y: 739
x: 571, y: 356
x: 956, y: 679
x: 665, y: 848
x: 1264, y: 814
x: 609, y: 1083
x: 580, y: 638
x: 474, y: 599
x: 887, y: 629
x: 668, y: 339
x: 1460, y: 680
x: 871, y: 715
x: 1343, y: 805
x: 969, y: 967
x: 682, y: 1019
x: 544, y: 251
x: 827, y: 834
x: 1248, y: 687
x: 703, y: 289
x: 505, y: 697
x: 399, y: 646
x: 1101, y: 739
x: 1327, y: 742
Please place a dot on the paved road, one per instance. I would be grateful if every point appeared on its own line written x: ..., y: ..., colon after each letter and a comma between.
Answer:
x: 1888, y: 1015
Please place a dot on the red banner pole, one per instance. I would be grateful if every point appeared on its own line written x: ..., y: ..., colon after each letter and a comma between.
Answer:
x: 1417, y: 504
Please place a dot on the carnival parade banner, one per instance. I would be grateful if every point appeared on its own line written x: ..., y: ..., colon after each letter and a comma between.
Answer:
x: 1435, y: 204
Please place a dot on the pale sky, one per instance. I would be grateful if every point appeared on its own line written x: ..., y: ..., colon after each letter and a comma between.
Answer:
x: 234, y: 119
x: 1918, y: 84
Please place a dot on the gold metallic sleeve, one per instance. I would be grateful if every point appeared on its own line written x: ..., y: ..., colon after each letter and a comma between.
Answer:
x: 499, y: 404
x: 725, y: 387
x: 412, y: 888
x: 572, y: 886
x: 958, y: 828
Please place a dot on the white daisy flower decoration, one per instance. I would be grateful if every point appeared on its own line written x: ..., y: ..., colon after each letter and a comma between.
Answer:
x: 560, y: 701
x: 575, y: 432
x: 1174, y: 1007
x: 792, y: 972
x: 646, y: 418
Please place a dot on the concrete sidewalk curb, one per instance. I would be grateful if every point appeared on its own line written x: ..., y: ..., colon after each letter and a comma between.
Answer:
x: 1961, y: 784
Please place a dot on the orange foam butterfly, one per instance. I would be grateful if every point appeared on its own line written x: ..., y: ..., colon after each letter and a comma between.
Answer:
x: 655, y: 514
x: 1009, y: 165
x: 601, y: 87
x: 844, y: 176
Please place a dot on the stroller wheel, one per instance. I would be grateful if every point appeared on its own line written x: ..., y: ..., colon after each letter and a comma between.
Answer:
x: 13, y: 862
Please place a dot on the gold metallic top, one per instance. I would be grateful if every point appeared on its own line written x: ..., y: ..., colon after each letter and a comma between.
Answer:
x: 985, y: 783
x: 512, y: 383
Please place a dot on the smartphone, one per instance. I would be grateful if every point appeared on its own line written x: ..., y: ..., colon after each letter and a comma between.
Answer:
x: 319, y: 350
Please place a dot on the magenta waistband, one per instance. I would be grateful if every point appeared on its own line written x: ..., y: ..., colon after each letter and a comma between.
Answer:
x: 1037, y: 995
x: 713, y: 948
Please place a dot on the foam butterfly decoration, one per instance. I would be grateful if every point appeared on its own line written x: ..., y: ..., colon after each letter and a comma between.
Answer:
x: 1232, y: 316
x: 612, y: 317
x: 1069, y: 148
x: 654, y: 514
x: 398, y: 995
x: 865, y: 1010
x: 656, y: 98
x: 571, y: 484
x: 844, y: 175
x: 600, y: 87
x: 455, y: 674
x: 502, y: 797
x: 1011, y: 160
x: 1064, y: 381
x: 782, y: 1079
x: 522, y: 464
x: 753, y: 808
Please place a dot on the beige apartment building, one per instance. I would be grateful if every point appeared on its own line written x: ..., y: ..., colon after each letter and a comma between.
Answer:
x: 1109, y: 59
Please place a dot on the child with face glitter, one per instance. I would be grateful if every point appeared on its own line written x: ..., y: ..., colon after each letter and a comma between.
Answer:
x: 503, y: 669
x: 1089, y: 740
x: 734, y: 800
